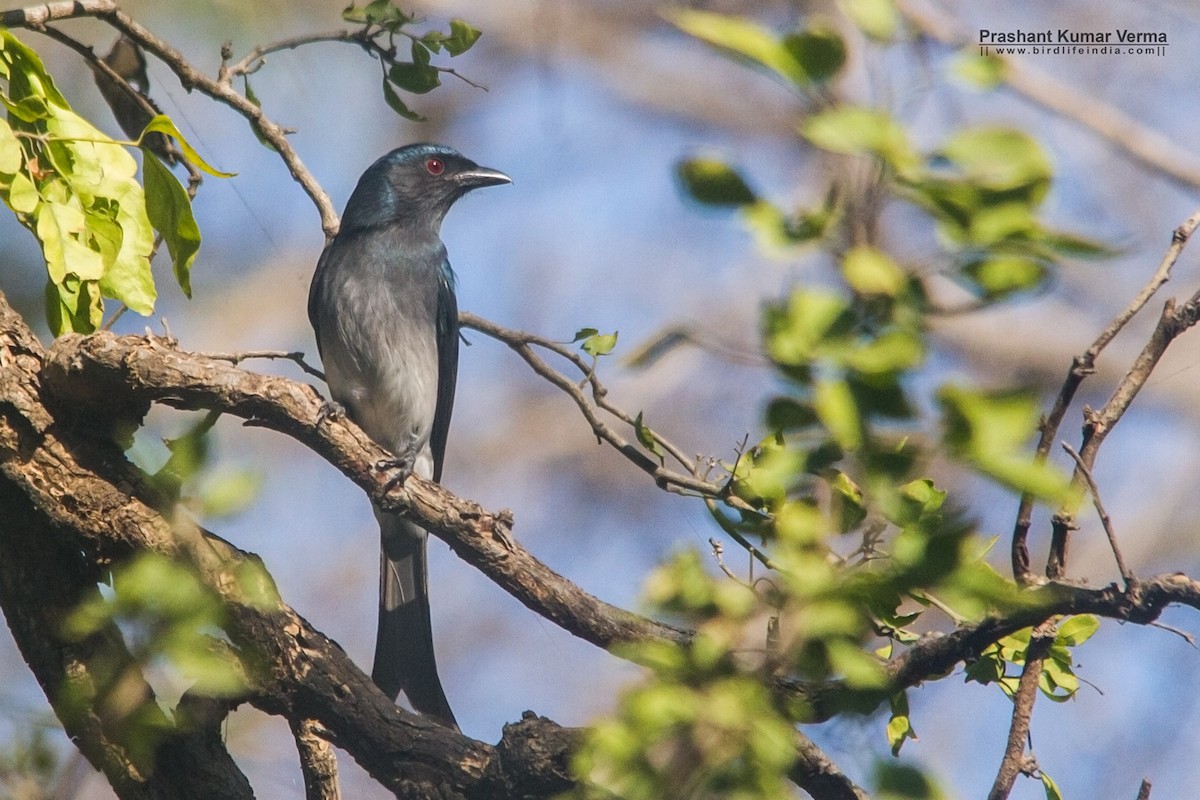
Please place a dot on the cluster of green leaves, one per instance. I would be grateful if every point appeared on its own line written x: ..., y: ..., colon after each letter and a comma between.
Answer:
x: 419, y: 75
x: 1002, y: 662
x: 76, y: 190
x: 859, y: 546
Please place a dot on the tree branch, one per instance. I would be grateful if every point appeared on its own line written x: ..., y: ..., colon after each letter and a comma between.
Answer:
x: 97, y: 509
x: 522, y: 344
x: 1126, y: 574
x: 318, y: 763
x: 1097, y: 425
x: 1082, y: 366
x: 84, y: 372
x: 1015, y: 762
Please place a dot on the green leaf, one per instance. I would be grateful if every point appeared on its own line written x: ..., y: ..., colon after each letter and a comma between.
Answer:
x: 862, y: 131
x: 743, y: 38
x: 870, y: 271
x: 599, y: 344
x: 1077, y: 630
x: 847, y: 500
x: 894, y: 351
x: 1050, y: 787
x: 1000, y: 159
x: 462, y: 37
x: 128, y: 277
x: 1005, y: 275
x: 820, y: 53
x: 12, y: 158
x: 876, y: 18
x: 584, y: 333
x: 646, y: 437
x: 163, y: 124
x: 379, y: 12
x: 415, y: 77
x: 899, y: 727
x: 229, y: 491
x: 903, y: 782
x: 713, y: 182
x: 27, y: 75
x: 834, y: 404
x: 396, y: 104
x: 23, y: 197
x: 788, y: 414
x: 62, y: 229
x: 991, y: 430
x: 170, y: 212
x: 796, y: 333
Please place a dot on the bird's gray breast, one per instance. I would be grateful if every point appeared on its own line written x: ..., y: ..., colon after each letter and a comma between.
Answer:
x: 377, y: 335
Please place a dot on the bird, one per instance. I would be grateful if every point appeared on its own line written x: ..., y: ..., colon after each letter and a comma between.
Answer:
x: 383, y: 307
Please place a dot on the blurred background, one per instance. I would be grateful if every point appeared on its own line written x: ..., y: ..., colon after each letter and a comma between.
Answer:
x: 589, y: 105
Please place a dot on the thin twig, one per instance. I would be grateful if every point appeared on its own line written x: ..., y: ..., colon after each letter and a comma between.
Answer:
x: 251, y: 62
x: 1015, y: 761
x: 1174, y: 320
x: 522, y: 344
x: 1082, y: 366
x: 1104, y: 518
x: 298, y: 357
x: 1182, y: 634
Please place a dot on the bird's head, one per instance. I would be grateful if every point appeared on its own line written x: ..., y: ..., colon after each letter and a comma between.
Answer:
x: 415, y: 185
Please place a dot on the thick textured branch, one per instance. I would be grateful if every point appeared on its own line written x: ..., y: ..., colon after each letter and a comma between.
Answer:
x: 84, y: 373
x: 93, y: 504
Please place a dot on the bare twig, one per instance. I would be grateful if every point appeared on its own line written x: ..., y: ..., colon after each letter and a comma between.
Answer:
x: 1104, y: 518
x: 297, y: 356
x: 1173, y: 321
x: 1082, y: 366
x: 252, y: 61
x: 522, y: 344
x: 1015, y: 761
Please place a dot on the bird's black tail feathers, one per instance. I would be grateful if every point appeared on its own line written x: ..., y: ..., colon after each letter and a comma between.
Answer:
x: 404, y: 659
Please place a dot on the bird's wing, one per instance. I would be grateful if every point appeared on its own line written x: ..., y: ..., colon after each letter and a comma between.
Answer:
x: 314, y: 291
x: 447, y: 347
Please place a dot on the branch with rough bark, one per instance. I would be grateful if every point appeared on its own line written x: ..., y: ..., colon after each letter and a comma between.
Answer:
x: 86, y: 506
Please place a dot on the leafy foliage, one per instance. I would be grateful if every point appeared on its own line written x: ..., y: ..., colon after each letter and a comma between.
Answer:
x: 75, y: 189
x: 419, y: 75
x: 862, y: 550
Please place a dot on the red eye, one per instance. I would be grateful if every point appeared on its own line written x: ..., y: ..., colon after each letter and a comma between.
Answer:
x: 435, y: 166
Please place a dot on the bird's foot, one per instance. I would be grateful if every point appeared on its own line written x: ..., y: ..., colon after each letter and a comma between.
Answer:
x: 330, y: 410
x: 400, y: 466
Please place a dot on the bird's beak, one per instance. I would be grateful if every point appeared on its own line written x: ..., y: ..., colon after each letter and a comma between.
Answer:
x: 476, y: 177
